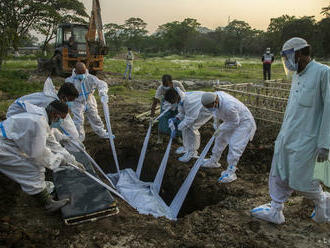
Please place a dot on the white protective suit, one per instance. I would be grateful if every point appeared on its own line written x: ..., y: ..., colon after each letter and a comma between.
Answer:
x: 27, y: 147
x: 192, y: 116
x: 237, y: 129
x: 43, y: 99
x: 86, y: 104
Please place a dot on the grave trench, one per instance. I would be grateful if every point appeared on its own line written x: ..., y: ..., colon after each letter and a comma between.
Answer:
x: 202, y: 193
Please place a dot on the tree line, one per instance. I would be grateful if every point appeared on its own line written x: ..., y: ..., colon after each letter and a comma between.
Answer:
x: 238, y: 38
x: 20, y: 18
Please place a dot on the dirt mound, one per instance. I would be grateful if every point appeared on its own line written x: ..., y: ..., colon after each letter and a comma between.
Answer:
x: 212, y: 215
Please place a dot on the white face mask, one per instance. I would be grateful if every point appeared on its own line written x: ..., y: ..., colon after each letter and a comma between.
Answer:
x: 289, y: 62
x: 166, y: 87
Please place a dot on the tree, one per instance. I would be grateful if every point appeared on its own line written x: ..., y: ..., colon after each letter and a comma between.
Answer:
x: 16, y: 20
x: 303, y: 27
x: 326, y: 11
x: 323, y: 37
x: 275, y: 31
x: 59, y: 11
x: 237, y: 34
x: 177, y: 34
x: 135, y: 32
x: 114, y: 35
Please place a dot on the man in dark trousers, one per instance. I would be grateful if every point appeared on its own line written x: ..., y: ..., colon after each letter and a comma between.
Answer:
x: 267, y: 60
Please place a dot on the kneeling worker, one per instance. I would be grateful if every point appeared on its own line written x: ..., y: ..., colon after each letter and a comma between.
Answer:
x: 28, y: 147
x: 237, y: 130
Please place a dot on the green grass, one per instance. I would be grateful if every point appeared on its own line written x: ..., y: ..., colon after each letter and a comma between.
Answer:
x: 198, y: 67
x: 15, y: 74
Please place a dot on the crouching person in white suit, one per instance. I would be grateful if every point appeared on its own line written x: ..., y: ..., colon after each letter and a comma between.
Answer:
x: 27, y: 147
x: 237, y: 129
x: 190, y: 118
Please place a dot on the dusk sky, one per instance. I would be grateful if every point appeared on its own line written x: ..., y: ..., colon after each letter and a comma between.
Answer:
x: 210, y: 13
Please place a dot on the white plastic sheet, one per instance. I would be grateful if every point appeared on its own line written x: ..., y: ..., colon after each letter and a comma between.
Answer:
x: 112, y: 143
x: 143, y: 151
x: 183, y: 191
x: 161, y: 171
x: 140, y: 195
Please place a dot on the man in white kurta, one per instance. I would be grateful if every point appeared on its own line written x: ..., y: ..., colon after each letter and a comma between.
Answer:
x: 304, y: 136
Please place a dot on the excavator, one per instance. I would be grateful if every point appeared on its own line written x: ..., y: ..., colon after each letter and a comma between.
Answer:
x: 79, y: 42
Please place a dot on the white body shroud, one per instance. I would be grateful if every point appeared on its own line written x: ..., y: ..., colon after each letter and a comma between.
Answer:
x: 86, y: 103
x: 27, y: 147
x: 237, y: 129
x: 192, y: 116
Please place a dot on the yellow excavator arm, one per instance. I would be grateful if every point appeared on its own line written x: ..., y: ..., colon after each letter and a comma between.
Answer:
x: 96, y: 44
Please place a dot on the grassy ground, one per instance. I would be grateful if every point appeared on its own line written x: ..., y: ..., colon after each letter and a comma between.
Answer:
x: 15, y: 78
x: 198, y: 67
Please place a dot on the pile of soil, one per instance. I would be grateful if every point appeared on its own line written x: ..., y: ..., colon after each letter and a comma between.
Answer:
x: 213, y: 215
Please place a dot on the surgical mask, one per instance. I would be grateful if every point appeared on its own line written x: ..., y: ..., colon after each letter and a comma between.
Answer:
x: 288, y: 58
x: 57, y: 124
x: 166, y: 87
x: 291, y: 66
x: 212, y: 110
x: 80, y: 77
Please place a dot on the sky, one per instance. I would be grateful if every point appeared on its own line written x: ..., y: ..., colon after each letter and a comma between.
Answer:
x: 209, y: 13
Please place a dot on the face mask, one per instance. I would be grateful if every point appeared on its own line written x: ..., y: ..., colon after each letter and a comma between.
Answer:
x: 212, y: 110
x: 80, y: 77
x: 291, y: 66
x: 289, y: 60
x: 57, y: 124
x: 166, y: 87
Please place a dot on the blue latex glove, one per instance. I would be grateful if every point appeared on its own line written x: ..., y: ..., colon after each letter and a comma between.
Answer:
x: 173, y: 121
x: 173, y: 133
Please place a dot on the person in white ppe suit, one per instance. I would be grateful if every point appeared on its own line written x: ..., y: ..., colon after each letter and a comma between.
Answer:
x: 237, y: 129
x: 191, y: 116
x: 303, y: 138
x: 86, y: 104
x: 67, y: 93
x: 28, y: 147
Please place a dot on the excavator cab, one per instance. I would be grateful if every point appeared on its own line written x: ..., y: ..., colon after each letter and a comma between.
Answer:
x: 71, y: 47
x: 78, y: 42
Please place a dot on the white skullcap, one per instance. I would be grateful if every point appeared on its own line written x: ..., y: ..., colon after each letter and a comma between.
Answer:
x: 208, y: 98
x: 296, y: 43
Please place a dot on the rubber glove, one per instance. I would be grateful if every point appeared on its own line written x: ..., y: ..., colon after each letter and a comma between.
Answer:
x: 182, y: 125
x: 215, y: 124
x: 104, y: 99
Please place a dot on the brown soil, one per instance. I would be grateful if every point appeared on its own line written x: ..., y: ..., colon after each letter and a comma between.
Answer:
x: 212, y: 215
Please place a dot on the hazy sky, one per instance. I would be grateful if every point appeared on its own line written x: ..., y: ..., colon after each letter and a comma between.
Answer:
x: 210, y: 13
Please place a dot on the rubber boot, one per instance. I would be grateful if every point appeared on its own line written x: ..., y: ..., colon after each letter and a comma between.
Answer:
x: 49, y: 203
